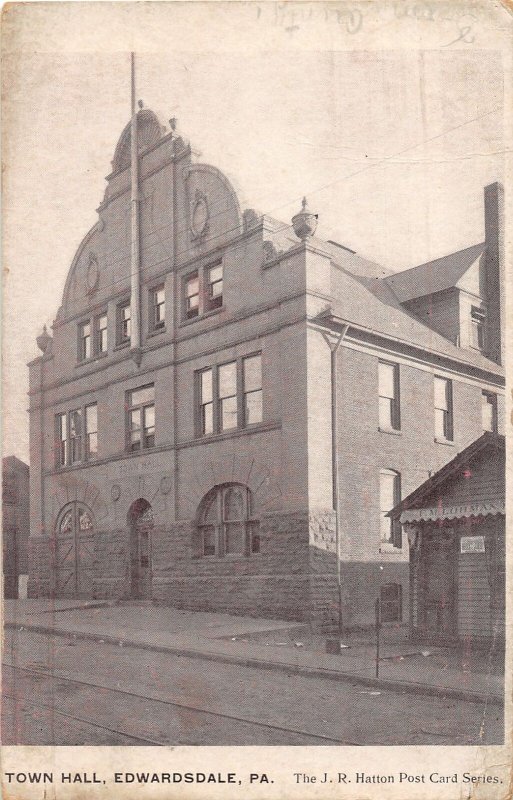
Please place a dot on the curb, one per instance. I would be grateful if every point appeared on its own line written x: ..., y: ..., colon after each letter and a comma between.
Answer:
x: 255, y: 663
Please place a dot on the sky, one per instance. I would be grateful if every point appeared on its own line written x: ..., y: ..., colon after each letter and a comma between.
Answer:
x: 392, y: 149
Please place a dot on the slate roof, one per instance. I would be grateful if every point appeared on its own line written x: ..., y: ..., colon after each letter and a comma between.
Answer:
x: 416, y: 498
x: 362, y: 296
x: 434, y: 276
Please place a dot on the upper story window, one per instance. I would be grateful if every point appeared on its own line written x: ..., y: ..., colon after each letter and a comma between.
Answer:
x: 252, y: 388
x: 443, y: 409
x: 389, y: 497
x: 101, y: 337
x: 229, y: 396
x: 215, y: 286
x: 92, y: 337
x: 84, y: 340
x: 489, y: 411
x: 478, y: 328
x: 226, y: 525
x: 76, y: 435
x: 141, y: 418
x: 389, y: 404
x: 203, y: 291
x: 157, y: 308
x: 123, y: 323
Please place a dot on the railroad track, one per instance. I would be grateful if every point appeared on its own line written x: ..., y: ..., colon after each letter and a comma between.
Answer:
x: 181, y: 706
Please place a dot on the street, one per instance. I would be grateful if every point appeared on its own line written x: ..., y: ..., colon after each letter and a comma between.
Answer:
x: 66, y: 691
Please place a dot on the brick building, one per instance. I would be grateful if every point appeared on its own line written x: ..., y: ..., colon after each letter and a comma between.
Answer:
x: 182, y: 429
x: 15, y: 525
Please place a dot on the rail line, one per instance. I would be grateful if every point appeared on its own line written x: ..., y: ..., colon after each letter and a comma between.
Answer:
x: 172, y: 703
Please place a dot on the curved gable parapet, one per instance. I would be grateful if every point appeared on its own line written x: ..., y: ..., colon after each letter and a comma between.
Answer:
x: 149, y: 131
x: 86, y: 261
x: 214, y: 209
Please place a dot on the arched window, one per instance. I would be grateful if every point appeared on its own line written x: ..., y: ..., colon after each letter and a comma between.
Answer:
x: 225, y: 523
x: 391, y: 601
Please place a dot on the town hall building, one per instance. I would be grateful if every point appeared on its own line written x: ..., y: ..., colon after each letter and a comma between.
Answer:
x: 228, y: 406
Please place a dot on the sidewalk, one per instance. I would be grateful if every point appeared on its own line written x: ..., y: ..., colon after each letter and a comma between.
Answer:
x: 265, y: 643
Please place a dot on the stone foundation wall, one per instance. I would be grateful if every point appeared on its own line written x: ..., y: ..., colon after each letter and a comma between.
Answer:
x: 111, y: 573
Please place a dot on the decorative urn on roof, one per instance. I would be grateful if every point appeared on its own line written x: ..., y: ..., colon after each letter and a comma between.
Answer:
x: 43, y: 340
x: 304, y: 222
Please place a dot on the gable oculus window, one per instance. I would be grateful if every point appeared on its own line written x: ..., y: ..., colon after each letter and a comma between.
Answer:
x: 389, y: 496
x: 76, y: 435
x: 443, y: 409
x: 226, y: 524
x: 203, y: 290
x: 389, y: 404
x: 123, y: 328
x: 141, y: 418
x: 157, y: 308
x: 229, y: 396
x: 489, y: 411
x: 478, y: 328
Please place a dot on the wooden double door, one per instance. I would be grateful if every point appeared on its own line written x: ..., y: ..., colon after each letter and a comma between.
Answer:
x: 74, y: 552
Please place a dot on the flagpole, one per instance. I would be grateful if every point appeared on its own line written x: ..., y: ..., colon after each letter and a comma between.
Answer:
x: 135, y: 250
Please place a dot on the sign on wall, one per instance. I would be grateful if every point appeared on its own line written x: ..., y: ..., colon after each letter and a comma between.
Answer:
x: 472, y: 544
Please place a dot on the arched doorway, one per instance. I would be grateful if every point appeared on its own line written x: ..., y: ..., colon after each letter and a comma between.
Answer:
x: 140, y: 521
x: 74, y: 551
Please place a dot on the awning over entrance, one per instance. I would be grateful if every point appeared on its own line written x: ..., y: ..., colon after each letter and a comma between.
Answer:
x: 483, y: 508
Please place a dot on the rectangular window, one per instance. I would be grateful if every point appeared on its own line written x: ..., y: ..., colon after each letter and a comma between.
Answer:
x: 489, y: 411
x: 61, y: 435
x: 91, y: 431
x: 227, y: 387
x: 158, y: 308
x: 101, y: 334
x: 84, y: 341
x: 252, y: 389
x: 75, y: 435
x: 215, y: 286
x: 229, y: 396
x: 478, y: 328
x: 206, y: 400
x: 141, y: 418
x: 192, y: 296
x: 389, y: 497
x: 390, y: 597
x: 123, y: 323
x: 389, y: 418
x: 443, y: 409
x: 203, y: 291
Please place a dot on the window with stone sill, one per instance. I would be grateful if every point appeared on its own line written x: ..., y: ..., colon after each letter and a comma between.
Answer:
x: 123, y: 323
x: 92, y: 337
x: 76, y: 436
x: 140, y: 405
x: 226, y: 525
x: 203, y: 290
x: 389, y: 497
x: 157, y: 308
x: 229, y: 396
x: 391, y: 602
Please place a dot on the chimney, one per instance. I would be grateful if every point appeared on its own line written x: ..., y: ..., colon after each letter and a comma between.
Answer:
x: 495, y: 273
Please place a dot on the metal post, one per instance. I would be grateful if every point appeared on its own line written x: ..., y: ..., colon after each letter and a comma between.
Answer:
x: 378, y: 629
x: 334, y: 346
x: 135, y: 298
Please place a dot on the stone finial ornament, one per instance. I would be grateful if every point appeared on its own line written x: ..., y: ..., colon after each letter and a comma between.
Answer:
x: 140, y: 104
x: 304, y: 222
x: 43, y: 340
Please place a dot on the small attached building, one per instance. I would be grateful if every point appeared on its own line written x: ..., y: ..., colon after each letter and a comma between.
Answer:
x: 455, y: 523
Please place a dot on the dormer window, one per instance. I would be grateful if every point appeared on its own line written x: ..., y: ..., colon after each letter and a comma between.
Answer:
x: 478, y: 328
